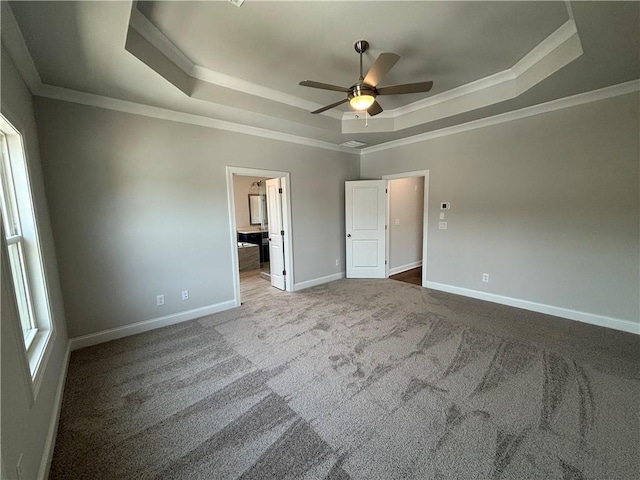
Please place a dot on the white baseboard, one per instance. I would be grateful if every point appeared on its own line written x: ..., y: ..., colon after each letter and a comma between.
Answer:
x: 317, y: 281
x: 404, y: 268
x: 50, y: 441
x: 146, y: 325
x: 593, y: 319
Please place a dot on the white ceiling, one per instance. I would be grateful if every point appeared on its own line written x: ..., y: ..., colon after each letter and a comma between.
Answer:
x: 243, y: 65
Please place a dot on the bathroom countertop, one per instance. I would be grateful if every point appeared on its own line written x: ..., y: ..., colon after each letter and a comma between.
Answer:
x: 250, y: 230
x: 246, y: 245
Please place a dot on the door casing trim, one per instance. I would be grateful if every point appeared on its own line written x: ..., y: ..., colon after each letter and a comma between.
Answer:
x: 286, y: 222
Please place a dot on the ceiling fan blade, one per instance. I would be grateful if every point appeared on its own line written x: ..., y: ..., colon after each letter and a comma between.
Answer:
x: 380, y: 68
x: 406, y: 88
x: 320, y: 110
x: 323, y: 86
x: 374, y: 109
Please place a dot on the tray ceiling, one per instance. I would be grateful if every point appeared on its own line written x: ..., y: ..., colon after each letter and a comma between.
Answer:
x: 242, y: 65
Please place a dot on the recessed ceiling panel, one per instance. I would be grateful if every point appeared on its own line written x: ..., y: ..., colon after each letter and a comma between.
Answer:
x: 278, y: 44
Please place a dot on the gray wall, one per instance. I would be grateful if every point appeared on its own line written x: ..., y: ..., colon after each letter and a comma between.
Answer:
x: 25, y: 424
x: 139, y: 208
x: 406, y: 204
x: 547, y: 205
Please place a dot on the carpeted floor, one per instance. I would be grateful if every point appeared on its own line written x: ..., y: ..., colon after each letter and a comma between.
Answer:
x: 360, y: 379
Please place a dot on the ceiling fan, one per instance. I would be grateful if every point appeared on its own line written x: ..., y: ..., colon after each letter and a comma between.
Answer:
x: 362, y: 94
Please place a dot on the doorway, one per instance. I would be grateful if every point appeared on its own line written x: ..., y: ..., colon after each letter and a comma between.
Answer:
x: 405, y: 229
x: 259, y: 218
x: 252, y: 223
x: 367, y: 222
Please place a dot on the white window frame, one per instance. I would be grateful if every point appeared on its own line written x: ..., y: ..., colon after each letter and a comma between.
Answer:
x: 15, y: 247
x: 23, y: 251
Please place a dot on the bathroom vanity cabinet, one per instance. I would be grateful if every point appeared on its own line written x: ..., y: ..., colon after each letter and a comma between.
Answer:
x: 257, y: 237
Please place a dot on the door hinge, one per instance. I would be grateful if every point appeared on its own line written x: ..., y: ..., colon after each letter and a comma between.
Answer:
x: 280, y: 190
x: 386, y: 190
x: 385, y: 262
x: 284, y: 272
x: 385, y: 227
x: 282, y: 232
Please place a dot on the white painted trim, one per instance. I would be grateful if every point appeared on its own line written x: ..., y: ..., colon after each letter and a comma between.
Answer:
x: 151, y: 33
x: 146, y: 325
x: 551, y: 106
x: 404, y: 268
x: 319, y: 281
x: 93, y: 100
x: 285, y: 184
x: 233, y: 234
x: 563, y: 34
x: 585, y: 317
x: 567, y: 4
x: 12, y: 37
x: 554, y: 52
x: 395, y: 176
x: 50, y: 440
x: 159, y: 40
x: 17, y: 48
x: 286, y: 223
x: 83, y: 98
x: 425, y: 215
x: 39, y: 350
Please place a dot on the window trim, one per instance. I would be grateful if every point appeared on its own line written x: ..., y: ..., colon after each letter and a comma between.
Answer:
x: 36, y: 355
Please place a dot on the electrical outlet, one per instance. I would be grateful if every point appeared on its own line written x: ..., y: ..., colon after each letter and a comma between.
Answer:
x: 442, y: 225
x: 337, y: 262
x: 485, y: 277
x: 185, y: 294
x: 441, y: 215
x: 397, y: 221
x: 160, y: 300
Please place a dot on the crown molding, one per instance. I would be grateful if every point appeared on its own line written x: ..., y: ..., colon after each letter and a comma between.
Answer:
x: 13, y: 40
x: 17, y: 47
x: 144, y: 27
x: 90, y: 99
x: 557, y: 50
x: 554, y: 52
x: 559, y: 104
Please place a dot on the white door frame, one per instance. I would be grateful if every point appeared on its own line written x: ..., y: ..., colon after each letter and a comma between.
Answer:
x: 286, y: 223
x: 425, y: 217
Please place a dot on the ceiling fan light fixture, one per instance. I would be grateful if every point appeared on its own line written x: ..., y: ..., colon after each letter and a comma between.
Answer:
x: 362, y: 102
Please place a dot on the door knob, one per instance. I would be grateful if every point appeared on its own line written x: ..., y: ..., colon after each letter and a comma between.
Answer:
x: 348, y: 235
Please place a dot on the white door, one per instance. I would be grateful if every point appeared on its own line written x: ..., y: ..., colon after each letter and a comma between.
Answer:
x: 276, y: 233
x: 365, y: 214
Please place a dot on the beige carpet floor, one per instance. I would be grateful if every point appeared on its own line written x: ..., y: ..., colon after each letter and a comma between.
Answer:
x: 360, y: 379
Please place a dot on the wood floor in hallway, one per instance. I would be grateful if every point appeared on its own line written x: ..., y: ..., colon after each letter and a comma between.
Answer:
x: 410, y: 276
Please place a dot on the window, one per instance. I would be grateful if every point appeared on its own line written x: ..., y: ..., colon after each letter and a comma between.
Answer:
x: 11, y: 223
x: 23, y: 248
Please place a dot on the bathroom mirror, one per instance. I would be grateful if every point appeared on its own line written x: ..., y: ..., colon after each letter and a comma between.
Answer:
x: 255, y: 210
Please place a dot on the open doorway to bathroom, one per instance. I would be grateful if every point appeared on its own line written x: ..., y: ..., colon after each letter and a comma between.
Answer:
x: 252, y: 234
x: 259, y: 219
x: 252, y: 223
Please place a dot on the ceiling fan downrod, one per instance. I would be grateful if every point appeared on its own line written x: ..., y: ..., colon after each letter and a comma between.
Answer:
x: 361, y: 46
